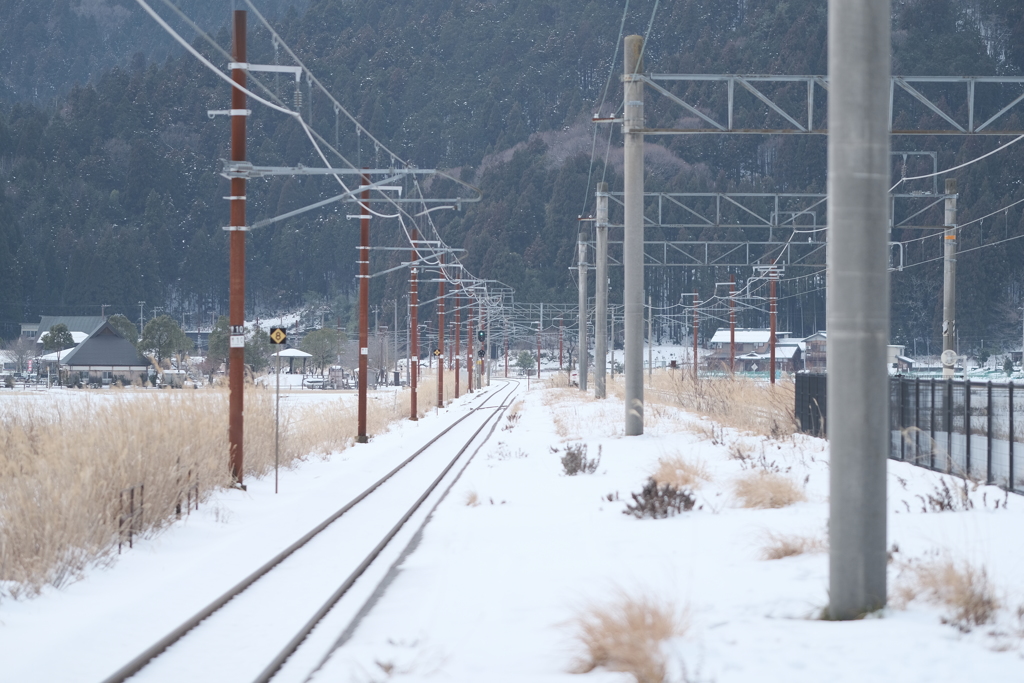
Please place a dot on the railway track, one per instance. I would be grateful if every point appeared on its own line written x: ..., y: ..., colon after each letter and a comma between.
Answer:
x: 265, y: 620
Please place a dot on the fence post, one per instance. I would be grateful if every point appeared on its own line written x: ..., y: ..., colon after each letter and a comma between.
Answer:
x: 931, y: 425
x: 917, y: 419
x: 988, y: 437
x: 949, y: 426
x: 901, y: 388
x: 967, y: 422
x: 1011, y: 484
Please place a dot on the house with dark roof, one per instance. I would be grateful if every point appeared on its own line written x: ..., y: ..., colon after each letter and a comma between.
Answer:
x: 80, y: 326
x: 105, y: 357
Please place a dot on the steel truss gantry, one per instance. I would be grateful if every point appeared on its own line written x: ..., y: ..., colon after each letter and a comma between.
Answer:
x: 772, y: 211
x: 795, y: 103
x: 792, y: 224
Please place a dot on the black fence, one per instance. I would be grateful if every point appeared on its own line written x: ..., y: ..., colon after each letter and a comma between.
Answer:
x: 811, y: 403
x: 970, y: 429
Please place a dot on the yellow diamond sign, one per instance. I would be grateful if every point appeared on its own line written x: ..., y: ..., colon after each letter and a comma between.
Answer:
x: 278, y: 335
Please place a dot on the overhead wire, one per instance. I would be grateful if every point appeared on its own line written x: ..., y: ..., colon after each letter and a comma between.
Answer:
x: 600, y: 106
x: 310, y: 133
x: 957, y: 168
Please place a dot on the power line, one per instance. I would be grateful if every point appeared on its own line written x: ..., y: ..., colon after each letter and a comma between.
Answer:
x: 307, y: 129
x: 964, y: 225
x: 964, y: 251
x: 963, y: 165
x: 600, y: 106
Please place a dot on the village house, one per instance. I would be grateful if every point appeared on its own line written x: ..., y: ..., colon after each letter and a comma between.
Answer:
x: 105, y: 357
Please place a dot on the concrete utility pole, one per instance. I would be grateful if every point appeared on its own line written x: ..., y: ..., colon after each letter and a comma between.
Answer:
x: 858, y: 302
x: 487, y: 350
x: 469, y: 348
x: 771, y: 324
x: 538, y: 352
x: 612, y: 360
x: 560, y: 345
x: 601, y: 294
x: 696, y: 330
x: 414, y: 306
x: 408, y: 342
x: 949, y: 279
x: 236, y: 230
x: 582, y: 344
x: 633, y: 240
x: 458, y: 333
x: 364, y: 307
x: 440, y: 338
x: 732, y: 323
x: 480, y: 360
x: 650, y: 337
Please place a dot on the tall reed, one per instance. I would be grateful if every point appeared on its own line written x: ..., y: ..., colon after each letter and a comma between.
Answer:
x: 733, y: 401
x: 64, y: 464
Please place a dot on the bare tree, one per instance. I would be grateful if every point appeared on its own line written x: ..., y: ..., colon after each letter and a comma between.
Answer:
x: 22, y: 348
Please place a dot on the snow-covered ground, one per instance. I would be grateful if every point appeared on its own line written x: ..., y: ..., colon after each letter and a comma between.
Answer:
x: 491, y: 590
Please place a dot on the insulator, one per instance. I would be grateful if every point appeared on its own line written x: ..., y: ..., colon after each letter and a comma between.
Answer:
x: 298, y: 98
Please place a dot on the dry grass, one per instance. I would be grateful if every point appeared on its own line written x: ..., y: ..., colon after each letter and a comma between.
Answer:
x: 627, y: 635
x: 962, y: 588
x: 569, y: 410
x: 557, y: 380
x: 471, y: 499
x: 763, y: 489
x: 737, y: 402
x: 680, y: 472
x: 63, y: 465
x: 778, y: 546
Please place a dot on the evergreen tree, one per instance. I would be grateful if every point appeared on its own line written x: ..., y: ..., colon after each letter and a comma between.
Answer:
x: 163, y: 337
x: 124, y: 327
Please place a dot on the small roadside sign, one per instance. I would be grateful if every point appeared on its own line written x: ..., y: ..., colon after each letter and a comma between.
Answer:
x: 437, y: 352
x: 278, y: 335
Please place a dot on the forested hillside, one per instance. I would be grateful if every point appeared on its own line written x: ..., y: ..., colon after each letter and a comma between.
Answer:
x: 111, y: 193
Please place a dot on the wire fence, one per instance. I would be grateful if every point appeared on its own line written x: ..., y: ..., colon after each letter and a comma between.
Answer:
x: 969, y: 429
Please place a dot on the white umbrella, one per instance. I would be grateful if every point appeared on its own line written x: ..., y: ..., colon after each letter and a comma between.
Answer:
x: 290, y: 354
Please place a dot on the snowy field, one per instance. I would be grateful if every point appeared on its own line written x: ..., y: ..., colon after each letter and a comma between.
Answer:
x: 519, y: 550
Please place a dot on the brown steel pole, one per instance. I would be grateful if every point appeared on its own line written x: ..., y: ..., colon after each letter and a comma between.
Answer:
x: 732, y: 323
x: 236, y: 309
x: 440, y: 339
x: 696, y: 327
x: 469, y: 349
x: 506, y: 353
x: 771, y: 324
x: 458, y: 333
x: 414, y: 305
x: 364, y: 306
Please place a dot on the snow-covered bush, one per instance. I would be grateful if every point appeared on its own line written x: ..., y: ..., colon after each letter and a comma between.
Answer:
x: 575, y: 460
x: 659, y: 502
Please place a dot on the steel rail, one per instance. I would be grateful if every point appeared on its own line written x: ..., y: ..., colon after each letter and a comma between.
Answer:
x: 350, y: 628
x: 155, y: 650
x: 275, y: 665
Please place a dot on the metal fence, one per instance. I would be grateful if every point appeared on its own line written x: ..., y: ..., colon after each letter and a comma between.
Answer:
x: 970, y: 429
x: 811, y: 402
